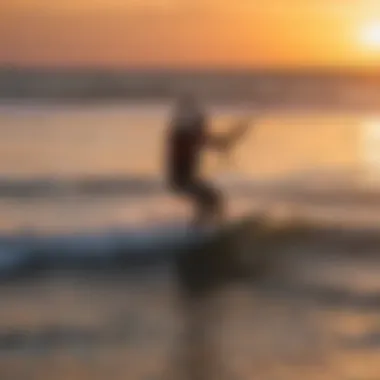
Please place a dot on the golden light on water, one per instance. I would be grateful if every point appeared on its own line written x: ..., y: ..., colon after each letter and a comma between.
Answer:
x: 370, y: 149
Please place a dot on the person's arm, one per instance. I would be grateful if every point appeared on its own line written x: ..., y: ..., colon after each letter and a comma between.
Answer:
x: 226, y: 141
x: 209, y: 139
x: 216, y: 142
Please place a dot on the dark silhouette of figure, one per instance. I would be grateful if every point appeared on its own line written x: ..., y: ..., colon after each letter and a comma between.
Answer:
x: 188, y: 136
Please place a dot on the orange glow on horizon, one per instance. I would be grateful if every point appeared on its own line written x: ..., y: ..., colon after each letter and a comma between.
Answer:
x: 179, y: 33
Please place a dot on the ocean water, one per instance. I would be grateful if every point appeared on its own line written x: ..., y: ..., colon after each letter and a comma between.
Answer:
x: 65, y: 168
x: 87, y: 172
x: 83, y: 185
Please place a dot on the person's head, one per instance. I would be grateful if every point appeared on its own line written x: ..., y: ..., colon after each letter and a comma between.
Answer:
x: 187, y: 112
x: 187, y: 102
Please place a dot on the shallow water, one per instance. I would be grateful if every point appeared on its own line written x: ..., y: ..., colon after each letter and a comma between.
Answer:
x: 309, y: 323
x: 318, y: 321
x: 47, y: 151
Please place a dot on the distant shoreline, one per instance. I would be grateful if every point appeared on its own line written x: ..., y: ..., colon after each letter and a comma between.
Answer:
x: 272, y: 88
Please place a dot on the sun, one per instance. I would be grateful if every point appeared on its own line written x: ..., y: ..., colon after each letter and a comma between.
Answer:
x: 370, y: 35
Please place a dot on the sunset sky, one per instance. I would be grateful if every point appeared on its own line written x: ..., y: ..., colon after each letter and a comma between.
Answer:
x: 190, y: 33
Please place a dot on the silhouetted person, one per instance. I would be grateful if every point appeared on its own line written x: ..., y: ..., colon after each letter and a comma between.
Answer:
x: 188, y: 136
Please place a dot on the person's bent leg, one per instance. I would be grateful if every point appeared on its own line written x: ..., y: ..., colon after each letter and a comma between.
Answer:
x: 209, y: 203
x: 188, y: 189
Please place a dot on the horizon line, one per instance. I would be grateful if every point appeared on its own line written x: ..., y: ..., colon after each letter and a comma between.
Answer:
x: 184, y: 69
